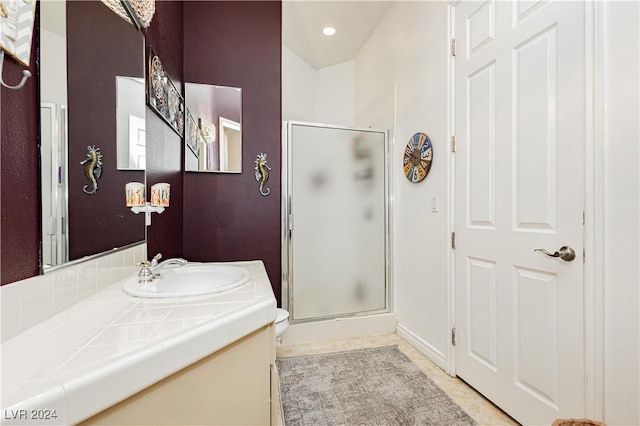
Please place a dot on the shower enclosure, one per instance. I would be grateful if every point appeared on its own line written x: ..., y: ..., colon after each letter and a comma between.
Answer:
x: 335, y: 221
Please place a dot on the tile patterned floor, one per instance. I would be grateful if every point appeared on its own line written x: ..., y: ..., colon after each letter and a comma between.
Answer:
x: 479, y: 408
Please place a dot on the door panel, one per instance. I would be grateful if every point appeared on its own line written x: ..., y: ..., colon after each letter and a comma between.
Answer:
x: 536, y: 333
x: 482, y: 311
x: 481, y: 188
x: 519, y: 185
x: 534, y: 127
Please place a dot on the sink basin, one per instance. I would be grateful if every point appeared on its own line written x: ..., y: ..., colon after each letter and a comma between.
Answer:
x: 193, y: 279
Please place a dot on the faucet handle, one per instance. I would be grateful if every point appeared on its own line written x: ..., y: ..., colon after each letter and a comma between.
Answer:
x: 154, y: 261
x: 145, y: 263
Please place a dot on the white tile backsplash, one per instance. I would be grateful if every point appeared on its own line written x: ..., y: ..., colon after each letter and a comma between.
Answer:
x: 10, y: 310
x: 26, y: 303
x: 105, y: 272
x: 65, y: 290
x: 87, y: 280
x: 117, y: 260
x: 36, y: 301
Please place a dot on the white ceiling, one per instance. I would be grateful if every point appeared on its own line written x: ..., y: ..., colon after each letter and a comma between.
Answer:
x: 302, y: 23
x: 53, y: 17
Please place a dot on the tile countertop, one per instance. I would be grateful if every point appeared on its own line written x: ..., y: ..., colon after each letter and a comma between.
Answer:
x: 110, y: 346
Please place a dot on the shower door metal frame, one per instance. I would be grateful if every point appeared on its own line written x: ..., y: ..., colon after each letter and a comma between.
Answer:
x: 287, y: 225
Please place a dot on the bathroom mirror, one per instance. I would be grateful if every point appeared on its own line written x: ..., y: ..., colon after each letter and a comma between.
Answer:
x: 213, y: 131
x: 86, y: 53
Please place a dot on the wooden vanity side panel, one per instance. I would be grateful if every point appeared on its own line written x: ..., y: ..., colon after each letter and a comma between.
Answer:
x: 229, y: 387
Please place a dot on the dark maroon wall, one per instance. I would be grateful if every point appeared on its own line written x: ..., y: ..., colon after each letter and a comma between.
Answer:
x: 228, y: 104
x: 225, y: 217
x: 164, y: 146
x: 20, y: 172
x: 116, y: 49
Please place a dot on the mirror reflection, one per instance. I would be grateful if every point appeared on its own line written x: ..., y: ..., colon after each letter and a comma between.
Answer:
x: 130, y: 110
x: 86, y: 53
x: 213, y: 132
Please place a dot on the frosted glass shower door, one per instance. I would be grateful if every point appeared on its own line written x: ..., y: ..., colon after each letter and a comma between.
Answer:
x: 338, y: 221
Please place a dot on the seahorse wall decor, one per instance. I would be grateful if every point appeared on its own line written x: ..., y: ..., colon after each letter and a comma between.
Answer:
x: 262, y: 173
x: 92, y: 168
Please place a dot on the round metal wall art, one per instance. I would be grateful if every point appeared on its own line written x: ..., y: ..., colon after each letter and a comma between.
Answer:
x: 418, y: 155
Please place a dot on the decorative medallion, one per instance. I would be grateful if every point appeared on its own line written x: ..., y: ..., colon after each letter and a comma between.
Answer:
x: 173, y: 103
x: 418, y: 155
x: 191, y: 134
x: 157, y: 77
x: 162, y: 95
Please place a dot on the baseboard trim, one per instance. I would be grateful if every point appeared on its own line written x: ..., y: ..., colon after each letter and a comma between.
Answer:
x: 423, y: 347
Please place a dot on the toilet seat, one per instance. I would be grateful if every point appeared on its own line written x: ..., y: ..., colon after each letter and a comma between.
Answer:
x: 282, y: 321
x: 281, y: 315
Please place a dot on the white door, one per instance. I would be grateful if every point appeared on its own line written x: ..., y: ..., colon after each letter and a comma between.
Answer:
x: 519, y: 182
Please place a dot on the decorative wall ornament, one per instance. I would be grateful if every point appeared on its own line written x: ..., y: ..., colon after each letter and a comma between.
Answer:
x: 262, y: 173
x: 418, y: 156
x: 16, y: 33
x: 16, y: 28
x: 191, y: 133
x: 92, y: 168
x: 137, y: 12
x: 208, y: 130
x: 162, y: 95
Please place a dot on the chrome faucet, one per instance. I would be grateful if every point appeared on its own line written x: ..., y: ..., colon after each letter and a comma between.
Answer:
x: 149, y: 270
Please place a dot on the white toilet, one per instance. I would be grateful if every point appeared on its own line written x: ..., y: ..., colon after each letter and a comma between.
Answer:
x: 282, y: 322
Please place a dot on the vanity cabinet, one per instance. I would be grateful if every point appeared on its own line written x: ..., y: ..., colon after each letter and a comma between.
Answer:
x: 229, y: 387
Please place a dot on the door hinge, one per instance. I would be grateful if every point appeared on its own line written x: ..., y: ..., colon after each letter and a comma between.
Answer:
x: 453, y: 336
x: 453, y: 143
x: 453, y: 240
x: 584, y: 254
x: 583, y: 218
x: 453, y: 47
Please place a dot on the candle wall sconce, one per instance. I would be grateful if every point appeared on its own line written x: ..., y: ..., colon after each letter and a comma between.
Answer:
x: 136, y: 199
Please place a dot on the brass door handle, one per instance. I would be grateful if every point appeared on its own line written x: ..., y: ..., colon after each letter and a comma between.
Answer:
x: 565, y: 253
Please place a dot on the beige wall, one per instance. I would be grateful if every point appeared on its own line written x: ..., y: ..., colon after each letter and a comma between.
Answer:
x: 401, y: 84
x: 621, y: 139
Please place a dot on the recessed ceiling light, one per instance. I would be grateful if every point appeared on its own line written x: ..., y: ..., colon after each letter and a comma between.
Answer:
x: 328, y: 31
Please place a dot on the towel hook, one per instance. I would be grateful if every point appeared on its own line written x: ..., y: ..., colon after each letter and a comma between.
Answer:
x: 25, y: 75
